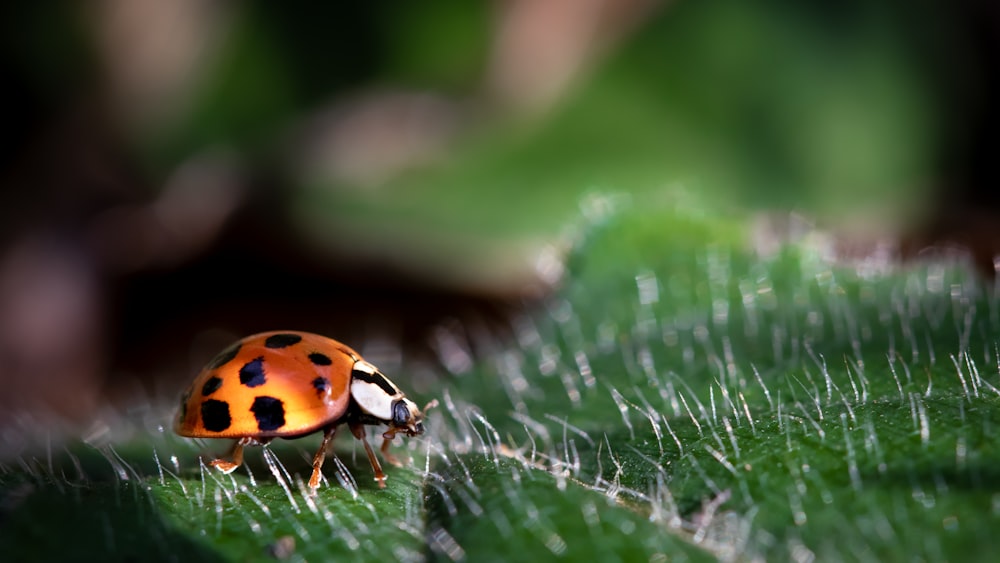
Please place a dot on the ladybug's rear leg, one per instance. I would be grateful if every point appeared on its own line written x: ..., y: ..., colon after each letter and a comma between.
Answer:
x: 359, y: 432
x: 328, y: 435
x: 236, y: 454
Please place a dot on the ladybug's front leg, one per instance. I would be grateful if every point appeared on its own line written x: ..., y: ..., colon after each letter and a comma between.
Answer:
x: 386, y: 454
x: 359, y: 432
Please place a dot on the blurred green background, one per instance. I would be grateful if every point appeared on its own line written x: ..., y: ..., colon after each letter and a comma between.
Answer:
x: 240, y: 166
x: 179, y: 174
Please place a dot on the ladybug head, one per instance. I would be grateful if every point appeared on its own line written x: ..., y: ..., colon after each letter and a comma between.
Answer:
x: 407, y: 418
x: 380, y: 399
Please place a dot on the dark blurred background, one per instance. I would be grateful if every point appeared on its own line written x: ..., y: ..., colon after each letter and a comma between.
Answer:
x: 403, y: 176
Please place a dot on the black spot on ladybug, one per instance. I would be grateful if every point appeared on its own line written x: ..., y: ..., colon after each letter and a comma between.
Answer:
x: 269, y: 412
x: 282, y: 340
x: 211, y: 386
x: 215, y: 415
x: 252, y: 373
x: 321, y: 383
x: 224, y: 357
x: 320, y: 359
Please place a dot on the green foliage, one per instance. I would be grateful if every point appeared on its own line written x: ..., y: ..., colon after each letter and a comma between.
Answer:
x: 441, y: 44
x: 736, y: 106
x: 683, y: 396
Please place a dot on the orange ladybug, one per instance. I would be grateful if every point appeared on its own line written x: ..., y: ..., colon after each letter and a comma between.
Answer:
x: 289, y: 384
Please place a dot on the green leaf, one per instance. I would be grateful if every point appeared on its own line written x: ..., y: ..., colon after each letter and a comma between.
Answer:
x: 683, y: 396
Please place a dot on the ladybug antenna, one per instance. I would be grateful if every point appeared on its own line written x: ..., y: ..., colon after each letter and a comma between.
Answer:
x: 430, y: 405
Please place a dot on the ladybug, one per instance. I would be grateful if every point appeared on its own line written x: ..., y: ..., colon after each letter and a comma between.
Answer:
x: 288, y: 384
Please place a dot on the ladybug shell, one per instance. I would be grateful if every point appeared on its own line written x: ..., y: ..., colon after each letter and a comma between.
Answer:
x: 270, y: 384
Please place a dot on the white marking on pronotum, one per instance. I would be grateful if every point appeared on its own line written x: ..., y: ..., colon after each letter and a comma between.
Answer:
x: 372, y: 399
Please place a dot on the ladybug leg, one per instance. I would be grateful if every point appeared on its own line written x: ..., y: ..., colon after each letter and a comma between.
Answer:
x: 386, y: 454
x: 328, y: 435
x: 359, y: 432
x: 236, y: 453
